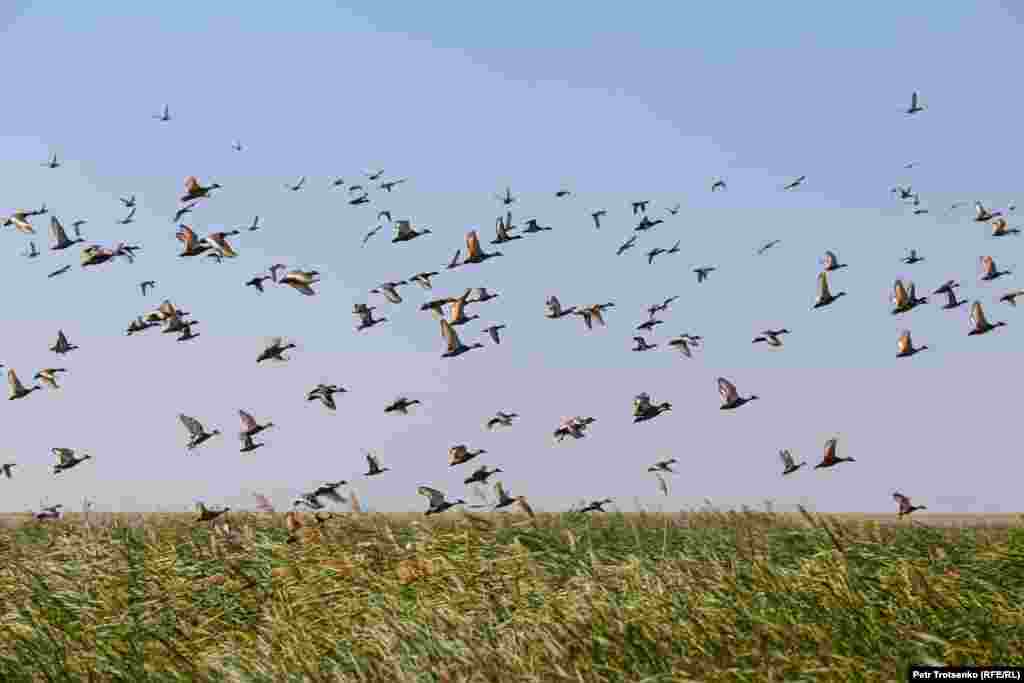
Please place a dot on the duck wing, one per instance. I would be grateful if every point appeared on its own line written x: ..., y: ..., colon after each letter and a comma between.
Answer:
x: 904, y: 344
x: 727, y: 390
x: 830, y: 450
x: 248, y: 421
x: 193, y: 425
x: 436, y: 497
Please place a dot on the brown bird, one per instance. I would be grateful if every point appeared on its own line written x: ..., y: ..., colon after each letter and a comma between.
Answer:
x: 474, y: 254
x: 1011, y: 297
x: 193, y: 190
x: 206, y: 515
x: 830, y: 459
x: 989, y: 270
x: 592, y: 313
x: 906, y: 346
x: 979, y: 323
x: 301, y: 281
x: 904, y: 502
x: 17, y: 389
x: 193, y: 245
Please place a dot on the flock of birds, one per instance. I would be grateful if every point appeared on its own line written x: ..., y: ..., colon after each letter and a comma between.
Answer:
x: 451, y: 312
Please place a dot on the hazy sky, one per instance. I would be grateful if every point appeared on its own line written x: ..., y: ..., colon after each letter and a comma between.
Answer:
x: 616, y: 103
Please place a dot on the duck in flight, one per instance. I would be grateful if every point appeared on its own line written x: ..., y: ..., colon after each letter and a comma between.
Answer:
x: 401, y: 405
x: 905, y: 298
x: 197, y: 433
x: 1000, y: 229
x: 628, y: 244
x: 825, y: 295
x: 654, y: 309
x: 683, y: 344
x: 474, y: 254
x: 979, y: 323
x: 257, y: 282
x: 642, y: 345
x: 60, y: 238
x: 48, y: 376
x: 703, y: 272
x: 389, y: 185
x: 480, y: 475
x: 502, y: 228
x: 948, y: 288
x: 533, y: 226
x: 644, y: 410
x: 831, y: 262
x: 830, y: 459
x: 789, y: 465
x: 453, y: 345
x: 989, y: 270
x: 274, y: 350
x: 365, y: 315
x: 646, y: 224
x: 17, y: 389
x: 657, y: 251
x: 555, y: 310
x: 438, y: 503
x: 301, y: 281
x: 373, y: 464
x: 730, y: 397
x: 595, y: 506
x: 911, y: 258
x: 493, y: 331
x: 66, y: 459
x: 592, y: 313
x: 507, y: 198
x: 905, y: 346
x: 663, y: 466
x: 905, y: 507
x: 771, y: 337
x: 983, y: 215
x: 193, y: 190
x: 792, y: 185
x: 1011, y: 297
x: 915, y: 106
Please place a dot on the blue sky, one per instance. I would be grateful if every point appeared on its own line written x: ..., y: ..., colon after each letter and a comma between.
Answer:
x: 616, y: 104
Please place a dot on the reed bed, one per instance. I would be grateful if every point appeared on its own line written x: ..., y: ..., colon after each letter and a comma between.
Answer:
x: 708, y: 595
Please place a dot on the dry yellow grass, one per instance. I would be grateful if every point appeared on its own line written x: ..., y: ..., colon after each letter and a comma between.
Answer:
x: 711, y: 596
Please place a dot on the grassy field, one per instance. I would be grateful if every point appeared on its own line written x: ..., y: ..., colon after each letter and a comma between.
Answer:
x: 710, y: 596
